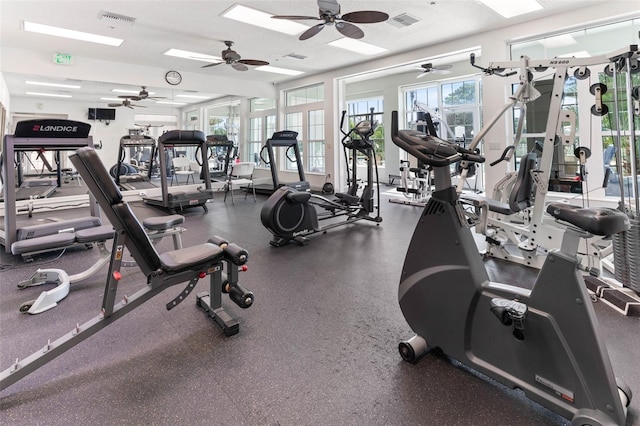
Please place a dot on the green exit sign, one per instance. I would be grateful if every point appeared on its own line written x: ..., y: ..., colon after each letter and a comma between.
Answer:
x: 62, y: 59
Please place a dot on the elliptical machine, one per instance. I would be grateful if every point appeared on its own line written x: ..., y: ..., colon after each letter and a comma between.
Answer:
x: 545, y: 341
x: 290, y: 215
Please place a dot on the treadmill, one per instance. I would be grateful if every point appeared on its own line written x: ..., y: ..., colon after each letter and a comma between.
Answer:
x: 287, y: 139
x: 182, y: 197
x: 34, y: 187
x: 37, y: 135
x: 136, y: 181
x: 221, y: 148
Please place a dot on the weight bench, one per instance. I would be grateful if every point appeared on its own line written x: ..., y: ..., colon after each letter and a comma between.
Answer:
x: 54, y: 235
x: 156, y: 227
x: 161, y: 270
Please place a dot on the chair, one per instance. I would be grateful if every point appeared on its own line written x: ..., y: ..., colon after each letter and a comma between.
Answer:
x: 241, y: 174
x: 182, y: 167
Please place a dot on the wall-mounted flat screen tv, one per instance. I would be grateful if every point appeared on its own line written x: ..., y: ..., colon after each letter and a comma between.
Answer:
x: 101, y: 114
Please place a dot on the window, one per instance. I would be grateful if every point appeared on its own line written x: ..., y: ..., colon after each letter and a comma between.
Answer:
x: 453, y: 106
x: 316, y: 141
x: 360, y: 110
x: 293, y: 121
x: 611, y: 128
x: 304, y: 113
x: 305, y: 95
x: 262, y: 124
x: 594, y: 41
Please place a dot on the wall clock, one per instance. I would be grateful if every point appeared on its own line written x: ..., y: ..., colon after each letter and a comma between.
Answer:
x: 173, y: 78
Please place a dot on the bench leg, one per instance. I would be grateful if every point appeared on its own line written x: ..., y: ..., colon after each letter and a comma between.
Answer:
x: 211, y: 303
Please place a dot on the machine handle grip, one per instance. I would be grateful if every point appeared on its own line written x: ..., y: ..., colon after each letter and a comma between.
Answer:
x: 506, y: 155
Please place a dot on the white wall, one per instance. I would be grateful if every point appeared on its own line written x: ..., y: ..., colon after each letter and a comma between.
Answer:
x: 5, y: 100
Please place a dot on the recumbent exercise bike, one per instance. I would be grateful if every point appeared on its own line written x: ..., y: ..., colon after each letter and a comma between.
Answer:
x: 545, y: 341
x: 290, y: 215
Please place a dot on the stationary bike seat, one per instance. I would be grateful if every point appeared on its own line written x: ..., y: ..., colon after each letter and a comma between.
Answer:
x: 595, y: 220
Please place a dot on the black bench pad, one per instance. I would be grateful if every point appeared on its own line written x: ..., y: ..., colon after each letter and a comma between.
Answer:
x: 595, y: 220
x: 189, y: 258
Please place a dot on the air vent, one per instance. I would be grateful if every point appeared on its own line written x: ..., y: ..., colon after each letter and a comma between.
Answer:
x: 295, y: 56
x: 403, y: 20
x: 114, y: 17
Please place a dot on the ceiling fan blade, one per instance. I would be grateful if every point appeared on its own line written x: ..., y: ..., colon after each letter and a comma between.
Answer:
x: 349, y: 30
x: 422, y: 74
x: 212, y: 64
x: 239, y: 67
x: 153, y: 98
x: 365, y: 17
x: 311, y: 32
x: 133, y: 98
x: 135, y: 105
x: 296, y: 17
x: 114, y: 105
x: 254, y: 62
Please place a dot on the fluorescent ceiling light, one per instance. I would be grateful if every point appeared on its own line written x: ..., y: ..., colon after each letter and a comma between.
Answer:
x: 261, y: 19
x: 511, y: 8
x: 171, y: 103
x: 53, y: 95
x: 192, y: 96
x: 111, y: 99
x: 132, y: 92
x: 192, y: 55
x: 76, y: 35
x: 357, y: 46
x: 42, y: 83
x: 276, y: 70
x: 557, y: 41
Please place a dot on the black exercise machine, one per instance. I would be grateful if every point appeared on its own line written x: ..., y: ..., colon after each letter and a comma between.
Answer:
x: 34, y: 135
x: 222, y: 150
x: 545, y: 341
x: 290, y: 215
x: 121, y: 173
x: 287, y: 139
x: 217, y: 259
x: 179, y: 199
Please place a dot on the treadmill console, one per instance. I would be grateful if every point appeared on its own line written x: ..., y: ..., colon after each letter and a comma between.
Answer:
x: 51, y: 128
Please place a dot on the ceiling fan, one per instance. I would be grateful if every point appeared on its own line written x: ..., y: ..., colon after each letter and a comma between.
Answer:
x: 330, y: 14
x: 146, y: 127
x: 127, y: 103
x: 231, y: 57
x: 145, y: 95
x: 430, y: 69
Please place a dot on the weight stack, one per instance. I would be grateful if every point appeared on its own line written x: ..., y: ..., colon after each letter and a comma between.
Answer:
x: 626, y: 247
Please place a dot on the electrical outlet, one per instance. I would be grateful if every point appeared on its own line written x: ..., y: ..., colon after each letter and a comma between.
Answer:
x: 494, y: 146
